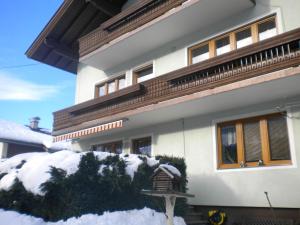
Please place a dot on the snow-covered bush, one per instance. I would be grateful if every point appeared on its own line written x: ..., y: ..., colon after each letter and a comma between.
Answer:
x: 67, y: 184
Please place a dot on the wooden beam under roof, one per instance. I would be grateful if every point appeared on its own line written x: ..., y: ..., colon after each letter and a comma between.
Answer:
x: 61, y: 49
x: 105, y: 7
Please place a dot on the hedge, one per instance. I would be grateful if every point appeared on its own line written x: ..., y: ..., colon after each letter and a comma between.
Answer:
x: 88, y: 191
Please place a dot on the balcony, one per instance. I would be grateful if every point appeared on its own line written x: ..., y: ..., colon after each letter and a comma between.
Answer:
x: 271, y: 55
x: 148, y: 19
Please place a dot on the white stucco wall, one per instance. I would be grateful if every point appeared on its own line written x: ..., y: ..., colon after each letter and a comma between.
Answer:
x: 194, y: 139
x: 3, y: 150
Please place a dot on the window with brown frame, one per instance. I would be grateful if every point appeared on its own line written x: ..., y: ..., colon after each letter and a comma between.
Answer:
x: 236, y: 39
x: 143, y: 74
x: 112, y: 147
x: 142, y: 146
x: 110, y: 86
x: 252, y: 142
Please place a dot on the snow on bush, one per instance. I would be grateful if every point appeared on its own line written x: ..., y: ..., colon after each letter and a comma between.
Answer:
x: 132, y: 217
x: 32, y: 169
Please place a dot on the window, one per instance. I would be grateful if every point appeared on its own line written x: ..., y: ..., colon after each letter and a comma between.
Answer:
x: 101, y: 90
x: 236, y: 39
x: 252, y: 142
x: 243, y: 38
x: 143, y: 74
x: 199, y: 53
x: 222, y: 45
x: 110, y: 86
x: 267, y: 29
x: 113, y: 147
x: 121, y: 83
x: 142, y: 146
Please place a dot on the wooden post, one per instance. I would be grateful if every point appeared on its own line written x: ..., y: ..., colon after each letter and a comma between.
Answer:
x: 170, y: 204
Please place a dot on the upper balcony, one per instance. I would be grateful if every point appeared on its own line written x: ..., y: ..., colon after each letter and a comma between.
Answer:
x: 149, y: 24
x: 185, y: 85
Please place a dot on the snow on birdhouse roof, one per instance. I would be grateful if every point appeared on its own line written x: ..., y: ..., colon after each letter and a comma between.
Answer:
x: 169, y: 169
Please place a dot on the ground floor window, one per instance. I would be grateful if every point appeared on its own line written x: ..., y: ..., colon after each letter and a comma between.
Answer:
x: 256, y: 141
x: 112, y: 147
x: 142, y: 146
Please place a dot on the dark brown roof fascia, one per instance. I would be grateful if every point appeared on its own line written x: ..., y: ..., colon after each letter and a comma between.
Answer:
x: 48, y: 28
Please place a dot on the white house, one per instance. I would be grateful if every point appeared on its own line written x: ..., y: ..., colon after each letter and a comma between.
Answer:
x: 213, y: 81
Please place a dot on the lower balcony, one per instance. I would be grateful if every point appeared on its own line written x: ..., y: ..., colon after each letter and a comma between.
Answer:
x: 174, y: 94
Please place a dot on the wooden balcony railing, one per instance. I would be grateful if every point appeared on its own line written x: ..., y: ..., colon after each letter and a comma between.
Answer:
x: 277, y: 53
x: 135, y: 16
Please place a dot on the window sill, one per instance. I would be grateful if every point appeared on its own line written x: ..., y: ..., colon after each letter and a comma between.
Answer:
x: 257, y: 168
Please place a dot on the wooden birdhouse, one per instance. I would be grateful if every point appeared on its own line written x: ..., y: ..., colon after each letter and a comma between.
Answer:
x: 166, y: 178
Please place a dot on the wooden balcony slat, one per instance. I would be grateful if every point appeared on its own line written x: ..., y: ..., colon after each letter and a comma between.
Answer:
x: 107, y: 99
x: 239, y: 53
x: 122, y: 15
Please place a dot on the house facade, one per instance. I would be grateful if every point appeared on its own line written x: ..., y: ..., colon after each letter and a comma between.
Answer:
x: 216, y: 82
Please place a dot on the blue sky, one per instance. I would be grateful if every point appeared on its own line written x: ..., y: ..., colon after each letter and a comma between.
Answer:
x: 35, y: 90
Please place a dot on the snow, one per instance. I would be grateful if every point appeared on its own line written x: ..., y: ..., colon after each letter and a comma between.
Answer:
x: 171, y: 169
x: 132, y: 217
x: 35, y: 170
x: 17, y: 132
x: 36, y: 167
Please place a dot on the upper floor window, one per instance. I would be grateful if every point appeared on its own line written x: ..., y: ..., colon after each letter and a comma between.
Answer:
x: 243, y: 38
x: 267, y: 29
x: 142, y: 146
x: 222, y: 45
x: 257, y: 141
x: 236, y: 39
x: 112, y: 147
x: 140, y: 75
x: 199, y: 53
x: 110, y: 86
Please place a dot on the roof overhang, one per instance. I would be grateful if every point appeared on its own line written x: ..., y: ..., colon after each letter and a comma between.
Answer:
x: 57, y: 44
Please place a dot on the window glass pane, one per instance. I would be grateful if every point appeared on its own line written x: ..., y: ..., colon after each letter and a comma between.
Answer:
x: 252, y: 141
x: 200, y: 54
x: 142, y: 146
x: 101, y: 90
x: 111, y: 87
x: 278, y: 137
x: 229, y: 147
x: 145, y: 74
x: 114, y: 147
x: 243, y: 38
x: 267, y: 29
x: 121, y: 83
x: 222, y: 45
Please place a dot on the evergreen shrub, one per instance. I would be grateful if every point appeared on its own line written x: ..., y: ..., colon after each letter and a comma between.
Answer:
x: 88, y: 191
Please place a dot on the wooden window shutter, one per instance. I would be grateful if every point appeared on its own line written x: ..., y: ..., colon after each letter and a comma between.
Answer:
x: 252, y: 141
x: 278, y: 138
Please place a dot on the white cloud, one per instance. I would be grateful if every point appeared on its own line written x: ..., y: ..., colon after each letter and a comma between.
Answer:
x: 12, y: 88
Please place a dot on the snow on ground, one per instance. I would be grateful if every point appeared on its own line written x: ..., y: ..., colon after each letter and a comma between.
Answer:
x: 132, y: 217
x: 36, y: 167
x: 171, y: 169
x: 17, y: 132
